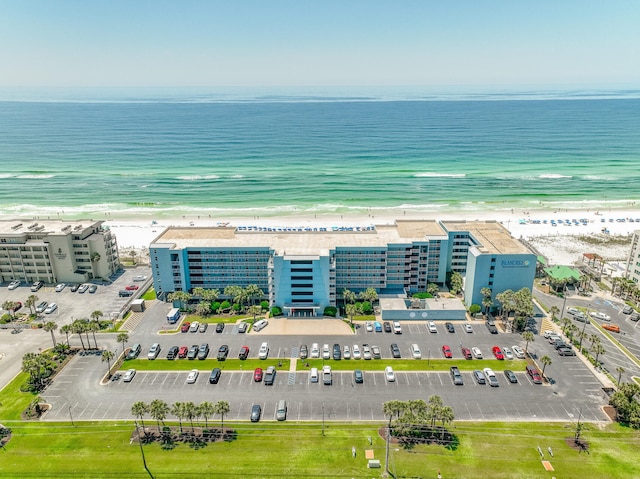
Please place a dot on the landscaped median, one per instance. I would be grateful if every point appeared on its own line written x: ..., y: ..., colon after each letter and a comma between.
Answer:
x: 205, y: 364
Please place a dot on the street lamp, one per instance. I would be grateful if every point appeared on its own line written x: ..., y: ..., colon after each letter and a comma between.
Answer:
x: 564, y: 300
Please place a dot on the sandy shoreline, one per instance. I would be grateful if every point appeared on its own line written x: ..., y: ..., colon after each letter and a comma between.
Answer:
x: 531, y: 225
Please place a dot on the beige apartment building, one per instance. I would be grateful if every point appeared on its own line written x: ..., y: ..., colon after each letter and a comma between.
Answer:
x: 56, y: 251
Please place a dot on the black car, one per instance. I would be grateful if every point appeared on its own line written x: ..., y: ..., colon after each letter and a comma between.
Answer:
x: 395, y: 351
x: 492, y: 327
x: 223, y: 352
x: 173, y: 352
x: 387, y: 327
x: 304, y: 352
x: 124, y: 293
x: 219, y: 327
x: 256, y: 412
x: 358, y: 376
x: 566, y: 351
x: 510, y: 375
x: 203, y: 352
x: 456, y: 376
x: 214, y: 377
x: 450, y: 327
x: 337, y: 354
x: 270, y: 376
x: 193, y: 352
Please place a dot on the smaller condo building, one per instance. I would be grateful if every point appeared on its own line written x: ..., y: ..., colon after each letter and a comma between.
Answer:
x: 303, y: 270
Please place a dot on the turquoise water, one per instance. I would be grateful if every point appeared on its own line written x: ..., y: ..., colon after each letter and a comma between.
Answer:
x: 273, y: 155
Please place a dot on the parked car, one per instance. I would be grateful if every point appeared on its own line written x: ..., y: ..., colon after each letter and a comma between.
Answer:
x: 415, y: 351
x: 203, y: 327
x: 327, y: 377
x: 337, y: 353
x: 366, y: 351
x: 346, y: 353
x: 476, y: 353
x: 326, y: 352
x: 369, y: 326
x: 51, y: 308
x: 242, y: 327
x: 14, y: 285
x: 83, y: 288
x: 510, y: 375
x: 223, y: 352
x: 257, y: 375
x: 60, y: 287
x: 173, y: 352
x: 129, y: 375
x: 358, y: 376
x: 93, y: 288
x: 263, y: 352
x: 154, y: 351
x: 356, y: 352
x: 566, y: 351
x: 41, y: 307
x: 214, y: 377
x: 507, y: 353
x: 468, y: 328
x: 74, y: 288
x: 466, y: 352
x: 281, y: 410
x: 193, y: 352
x: 377, y: 326
x: 497, y: 352
x: 315, y: 351
x: 397, y: 329
x: 395, y: 351
x: 456, y: 376
x: 599, y: 315
x: 123, y: 293
x: 375, y: 352
x: 534, y: 374
x: 432, y: 327
x: 192, y: 377
x: 244, y: 352
x: 518, y: 352
x: 220, y: 327
x: 193, y: 328
x: 270, y: 376
x: 491, y: 377
x: 185, y: 327
x: 389, y: 375
x: 492, y: 327
x: 36, y: 286
x: 446, y: 351
x: 304, y: 352
x: 627, y: 309
x: 387, y: 327
x: 135, y: 350
x: 449, y: 327
x: 132, y: 287
x: 260, y: 325
x: 139, y: 278
x: 614, y: 328
x: 182, y: 352
x: 313, y: 375
x: 256, y: 412
x: 479, y: 377
x: 203, y: 351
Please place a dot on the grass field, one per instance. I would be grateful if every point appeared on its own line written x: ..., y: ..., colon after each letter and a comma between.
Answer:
x: 287, y: 450
x: 206, y: 364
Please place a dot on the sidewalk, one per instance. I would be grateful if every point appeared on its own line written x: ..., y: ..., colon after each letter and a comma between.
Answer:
x: 299, y: 327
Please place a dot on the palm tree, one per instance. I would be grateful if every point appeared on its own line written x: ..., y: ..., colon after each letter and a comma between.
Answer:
x: 546, y: 361
x: 487, y: 301
x: 348, y: 296
x: 30, y: 303
x: 210, y: 294
x: 177, y: 409
x: 253, y: 292
x: 108, y: 356
x: 139, y: 409
x: 96, y: 315
x: 434, y: 407
x: 254, y: 311
x: 190, y: 411
x: 392, y: 408
x: 123, y: 338
x: 369, y: 294
x: 446, y: 416
x: 78, y: 327
x: 598, y: 349
x: 554, y: 310
x: 594, y: 338
x: 353, y: 310
x: 565, y: 323
x: 529, y: 337
x: 181, y: 296
x: 66, y: 329
x: 158, y: 410
x: 620, y: 370
x: 433, y: 289
x: 207, y: 410
x: 50, y: 327
x: 222, y: 408
x: 93, y: 327
x: 10, y: 306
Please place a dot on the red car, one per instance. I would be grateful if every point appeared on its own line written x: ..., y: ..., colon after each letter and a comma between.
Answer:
x: 466, y: 352
x: 244, y: 352
x: 497, y: 352
x: 132, y: 287
x: 185, y: 327
x: 17, y: 306
x: 182, y: 352
x: 446, y: 350
x: 257, y: 375
x: 534, y: 374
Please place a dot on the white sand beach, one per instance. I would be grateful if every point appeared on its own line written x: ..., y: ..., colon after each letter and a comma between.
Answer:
x: 556, y: 235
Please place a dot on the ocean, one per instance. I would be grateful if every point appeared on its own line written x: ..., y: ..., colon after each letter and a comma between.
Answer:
x: 160, y: 155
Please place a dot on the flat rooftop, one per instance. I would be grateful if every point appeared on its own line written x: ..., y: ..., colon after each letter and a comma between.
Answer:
x: 22, y: 227
x: 492, y: 236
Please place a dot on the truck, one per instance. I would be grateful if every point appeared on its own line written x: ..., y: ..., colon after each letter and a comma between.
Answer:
x: 173, y: 316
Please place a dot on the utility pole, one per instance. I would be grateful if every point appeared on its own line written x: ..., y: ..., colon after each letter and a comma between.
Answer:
x: 323, y: 419
x: 144, y: 461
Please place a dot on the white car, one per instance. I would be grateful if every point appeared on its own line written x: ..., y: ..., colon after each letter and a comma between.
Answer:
x: 263, y: 352
x: 432, y: 327
x: 397, y: 329
x: 14, y: 284
x: 60, y: 287
x: 327, y: 378
x: 468, y: 328
x: 346, y: 354
x: 366, y: 351
x: 83, y: 288
x: 139, y: 279
x: 600, y: 316
x: 51, y: 308
x: 518, y: 352
x: 369, y: 326
x: 356, y: 352
x: 507, y: 353
x: 193, y: 376
x: 491, y: 377
x: 153, y: 351
x: 548, y: 332
x: 315, y: 351
x: 128, y: 376
x: 313, y: 375
x: 326, y: 352
x: 476, y: 352
x: 389, y: 375
x: 193, y: 328
x: 415, y: 351
x: 41, y: 307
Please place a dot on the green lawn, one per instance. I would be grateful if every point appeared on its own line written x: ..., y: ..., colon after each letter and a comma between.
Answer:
x: 289, y: 450
x: 206, y: 364
x: 414, y: 365
x: 12, y: 401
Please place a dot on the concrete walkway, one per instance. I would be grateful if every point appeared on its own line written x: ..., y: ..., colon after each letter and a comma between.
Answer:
x: 298, y: 327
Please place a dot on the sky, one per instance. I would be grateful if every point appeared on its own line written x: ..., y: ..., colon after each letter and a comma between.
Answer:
x: 208, y: 43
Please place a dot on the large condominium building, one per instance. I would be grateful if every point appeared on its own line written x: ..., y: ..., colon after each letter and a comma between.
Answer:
x: 303, y: 270
x: 633, y: 263
x: 56, y: 251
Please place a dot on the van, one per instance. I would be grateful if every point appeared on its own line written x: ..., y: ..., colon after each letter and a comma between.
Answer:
x: 281, y: 411
x: 173, y: 315
x: 259, y: 325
